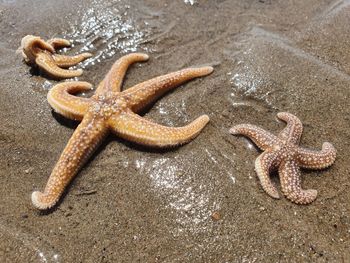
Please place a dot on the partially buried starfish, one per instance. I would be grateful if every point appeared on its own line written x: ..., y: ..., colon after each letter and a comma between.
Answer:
x: 112, y: 110
x: 37, y: 52
x: 284, y: 153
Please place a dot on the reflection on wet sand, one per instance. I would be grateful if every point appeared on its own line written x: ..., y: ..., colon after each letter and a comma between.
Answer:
x: 21, y: 244
x: 191, y: 2
x: 105, y: 30
x: 192, y: 205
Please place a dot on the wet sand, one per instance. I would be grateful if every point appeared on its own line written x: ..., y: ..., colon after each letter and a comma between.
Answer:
x: 133, y: 204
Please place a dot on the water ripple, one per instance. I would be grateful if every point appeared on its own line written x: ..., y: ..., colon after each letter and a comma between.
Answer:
x: 191, y: 2
x: 105, y: 30
x: 192, y: 206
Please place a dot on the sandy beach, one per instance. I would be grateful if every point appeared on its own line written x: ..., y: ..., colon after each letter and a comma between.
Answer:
x: 201, y: 202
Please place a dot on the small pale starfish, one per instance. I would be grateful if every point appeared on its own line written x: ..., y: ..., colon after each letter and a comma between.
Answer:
x: 36, y: 51
x: 115, y: 111
x: 283, y: 152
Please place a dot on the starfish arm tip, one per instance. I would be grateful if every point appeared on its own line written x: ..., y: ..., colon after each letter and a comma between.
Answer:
x: 328, y: 146
x: 58, y: 43
x: 238, y: 129
x: 287, y: 117
x: 144, y: 56
x: 139, y: 56
x: 205, y: 118
x: 209, y: 69
x: 206, y: 70
x: 308, y: 197
x: 44, y: 45
x: 39, y: 203
x: 202, y: 121
x: 66, y: 42
x: 274, y: 194
x: 84, y: 85
x: 79, y: 72
x: 332, y: 153
x: 233, y: 130
x: 87, y: 55
x: 281, y: 114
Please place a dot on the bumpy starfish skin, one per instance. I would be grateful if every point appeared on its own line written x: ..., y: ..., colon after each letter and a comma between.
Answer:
x: 36, y: 51
x: 283, y: 153
x: 112, y: 110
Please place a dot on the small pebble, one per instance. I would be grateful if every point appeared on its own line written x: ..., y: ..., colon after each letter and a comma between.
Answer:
x: 216, y: 216
x: 29, y: 170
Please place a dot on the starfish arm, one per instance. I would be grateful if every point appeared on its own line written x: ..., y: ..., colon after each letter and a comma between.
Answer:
x: 147, y: 92
x: 31, y: 46
x: 292, y: 132
x: 68, y: 61
x: 262, y: 138
x: 37, y: 42
x: 263, y: 166
x: 61, y: 100
x: 46, y: 62
x: 80, y: 147
x: 132, y: 127
x: 58, y: 43
x: 114, y: 78
x: 289, y: 173
x: 317, y: 159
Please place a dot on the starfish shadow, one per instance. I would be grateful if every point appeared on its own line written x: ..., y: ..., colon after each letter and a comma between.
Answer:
x: 35, y: 71
x: 274, y: 177
x: 65, y: 121
x: 142, y: 148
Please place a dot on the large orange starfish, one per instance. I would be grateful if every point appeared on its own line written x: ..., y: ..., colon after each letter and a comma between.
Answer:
x: 36, y: 51
x: 112, y: 110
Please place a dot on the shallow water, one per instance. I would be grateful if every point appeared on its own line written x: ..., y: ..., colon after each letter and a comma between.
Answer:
x: 200, y: 202
x: 105, y: 29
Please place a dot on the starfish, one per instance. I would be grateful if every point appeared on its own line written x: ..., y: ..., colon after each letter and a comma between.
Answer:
x: 282, y: 152
x: 107, y: 110
x: 36, y: 51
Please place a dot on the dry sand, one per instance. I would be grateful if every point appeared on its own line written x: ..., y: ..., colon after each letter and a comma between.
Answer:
x: 201, y: 202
